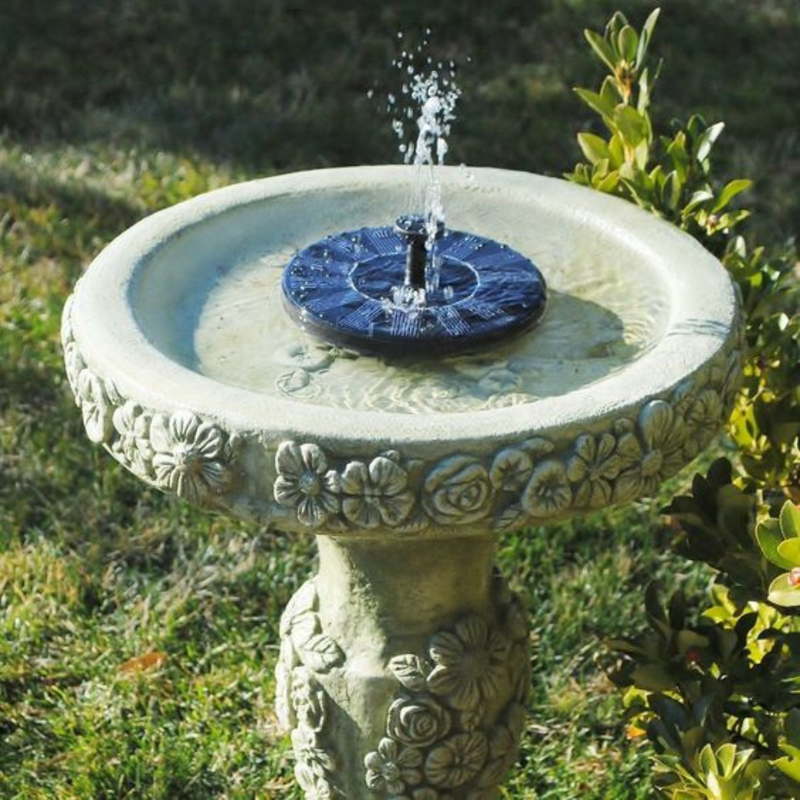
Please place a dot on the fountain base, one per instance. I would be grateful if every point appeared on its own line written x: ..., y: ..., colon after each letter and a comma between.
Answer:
x: 352, y: 289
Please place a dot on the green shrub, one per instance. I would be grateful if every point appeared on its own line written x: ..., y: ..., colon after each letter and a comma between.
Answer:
x: 719, y: 698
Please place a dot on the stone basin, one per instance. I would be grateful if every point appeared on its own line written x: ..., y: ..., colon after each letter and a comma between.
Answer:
x: 403, y: 668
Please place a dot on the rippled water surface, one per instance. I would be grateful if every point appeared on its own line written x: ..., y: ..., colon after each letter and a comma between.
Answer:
x: 603, y: 312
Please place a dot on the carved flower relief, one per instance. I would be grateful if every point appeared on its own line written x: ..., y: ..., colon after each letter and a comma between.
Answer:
x: 313, y: 766
x: 418, y: 721
x: 662, y: 434
x: 458, y: 491
x: 95, y: 405
x: 704, y: 417
x: 470, y: 664
x: 503, y: 746
x: 305, y: 483
x: 593, y: 466
x: 73, y: 366
x: 132, y: 443
x: 188, y: 455
x: 308, y: 700
x: 376, y: 494
x: 548, y: 491
x: 393, y: 766
x: 456, y: 760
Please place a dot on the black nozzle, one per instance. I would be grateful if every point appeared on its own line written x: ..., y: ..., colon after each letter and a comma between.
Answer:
x: 414, y: 229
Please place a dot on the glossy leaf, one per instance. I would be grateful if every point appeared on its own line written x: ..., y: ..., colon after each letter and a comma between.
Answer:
x: 782, y: 593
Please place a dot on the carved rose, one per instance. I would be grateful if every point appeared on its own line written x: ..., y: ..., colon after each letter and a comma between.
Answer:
x: 470, y: 663
x: 663, y: 434
x: 188, y: 455
x: 548, y: 491
x: 458, y: 491
x: 376, y: 494
x: 392, y: 766
x: 417, y: 721
x: 593, y: 466
x: 132, y: 445
x: 305, y: 483
x: 456, y: 760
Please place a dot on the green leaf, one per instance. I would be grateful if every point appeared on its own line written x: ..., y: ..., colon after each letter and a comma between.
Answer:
x: 672, y: 190
x: 686, y: 640
x: 698, y: 198
x: 789, y: 550
x: 708, y: 763
x: 729, y: 192
x: 628, y: 43
x: 602, y: 48
x: 609, y: 183
x: 632, y: 125
x: 789, y: 767
x: 782, y: 593
x: 645, y: 37
x: 791, y: 727
x: 596, y: 102
x: 768, y: 536
x: 652, y: 678
x: 594, y: 148
x: 726, y: 756
x: 790, y: 520
x: 707, y: 139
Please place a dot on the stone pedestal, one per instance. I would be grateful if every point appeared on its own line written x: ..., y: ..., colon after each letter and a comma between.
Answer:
x: 403, y: 671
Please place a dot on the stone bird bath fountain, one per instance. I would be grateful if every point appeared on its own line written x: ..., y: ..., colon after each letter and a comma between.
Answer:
x: 404, y: 662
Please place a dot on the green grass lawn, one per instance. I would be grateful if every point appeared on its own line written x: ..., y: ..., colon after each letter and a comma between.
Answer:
x: 138, y: 636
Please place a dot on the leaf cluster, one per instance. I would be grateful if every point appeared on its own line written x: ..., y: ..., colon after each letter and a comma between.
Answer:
x: 720, y: 699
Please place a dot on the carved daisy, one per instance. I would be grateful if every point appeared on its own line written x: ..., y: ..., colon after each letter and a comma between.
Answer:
x: 393, y: 766
x: 470, y: 664
x: 703, y: 419
x: 548, y: 491
x: 95, y: 406
x: 188, y: 455
x: 456, y: 760
x: 662, y: 434
x: 376, y: 494
x: 305, y: 483
x: 593, y: 466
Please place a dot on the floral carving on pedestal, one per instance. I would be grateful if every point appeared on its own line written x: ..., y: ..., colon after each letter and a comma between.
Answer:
x: 470, y: 664
x: 392, y: 767
x: 456, y: 719
x: 302, y: 704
